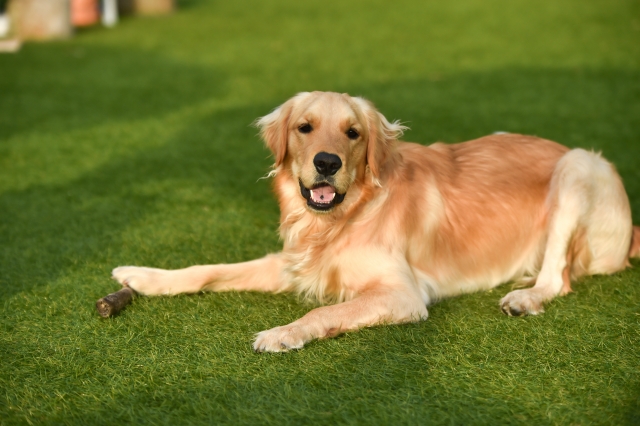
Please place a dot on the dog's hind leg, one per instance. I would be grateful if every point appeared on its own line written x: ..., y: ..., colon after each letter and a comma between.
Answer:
x: 588, y: 232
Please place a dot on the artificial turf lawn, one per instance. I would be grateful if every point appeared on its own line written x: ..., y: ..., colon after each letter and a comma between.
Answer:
x: 133, y: 146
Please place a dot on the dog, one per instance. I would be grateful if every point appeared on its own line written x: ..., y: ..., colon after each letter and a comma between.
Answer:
x: 377, y: 229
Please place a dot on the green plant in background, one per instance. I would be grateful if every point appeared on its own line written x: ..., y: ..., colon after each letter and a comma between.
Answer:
x: 134, y: 146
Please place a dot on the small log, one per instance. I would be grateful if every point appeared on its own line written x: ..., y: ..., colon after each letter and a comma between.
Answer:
x: 113, y: 303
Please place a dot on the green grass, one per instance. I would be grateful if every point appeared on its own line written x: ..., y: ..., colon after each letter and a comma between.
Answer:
x: 133, y: 146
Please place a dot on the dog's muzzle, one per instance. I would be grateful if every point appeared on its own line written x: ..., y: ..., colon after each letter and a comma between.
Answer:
x: 322, y: 196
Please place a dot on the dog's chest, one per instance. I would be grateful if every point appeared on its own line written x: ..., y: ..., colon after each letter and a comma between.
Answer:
x: 338, y: 270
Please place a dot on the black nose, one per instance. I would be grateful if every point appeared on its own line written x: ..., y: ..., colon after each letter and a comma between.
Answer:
x: 327, y: 164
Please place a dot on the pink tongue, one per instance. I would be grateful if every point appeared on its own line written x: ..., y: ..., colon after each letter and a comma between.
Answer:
x: 324, y: 194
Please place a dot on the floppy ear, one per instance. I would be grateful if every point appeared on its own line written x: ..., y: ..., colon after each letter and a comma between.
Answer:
x: 274, y: 131
x: 383, y: 137
x: 274, y: 128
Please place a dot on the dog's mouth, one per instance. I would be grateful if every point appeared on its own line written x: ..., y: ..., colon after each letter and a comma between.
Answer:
x: 322, y: 196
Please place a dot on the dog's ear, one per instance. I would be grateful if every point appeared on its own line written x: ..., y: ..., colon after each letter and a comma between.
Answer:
x: 383, y: 136
x: 274, y: 128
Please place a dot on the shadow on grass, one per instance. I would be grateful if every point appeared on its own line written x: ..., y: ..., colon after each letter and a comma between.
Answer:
x: 49, y: 229
x: 66, y: 86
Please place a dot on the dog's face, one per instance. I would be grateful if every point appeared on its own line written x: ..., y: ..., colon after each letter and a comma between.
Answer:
x: 327, y: 141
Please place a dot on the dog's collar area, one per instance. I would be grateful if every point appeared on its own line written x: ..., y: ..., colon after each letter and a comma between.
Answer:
x: 321, y: 197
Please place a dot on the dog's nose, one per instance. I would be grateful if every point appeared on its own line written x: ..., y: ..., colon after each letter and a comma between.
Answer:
x: 327, y: 164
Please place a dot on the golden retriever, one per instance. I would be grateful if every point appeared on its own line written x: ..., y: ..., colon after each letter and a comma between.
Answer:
x: 382, y: 228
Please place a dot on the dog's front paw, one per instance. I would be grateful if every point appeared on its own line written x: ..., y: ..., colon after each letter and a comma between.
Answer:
x: 522, y: 302
x: 146, y: 281
x: 281, y: 339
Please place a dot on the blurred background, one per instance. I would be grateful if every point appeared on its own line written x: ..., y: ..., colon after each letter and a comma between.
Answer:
x: 126, y: 138
x: 506, y: 65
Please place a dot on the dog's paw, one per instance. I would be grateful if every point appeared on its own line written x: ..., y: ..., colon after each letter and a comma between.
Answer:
x: 281, y: 339
x: 522, y: 302
x: 145, y: 281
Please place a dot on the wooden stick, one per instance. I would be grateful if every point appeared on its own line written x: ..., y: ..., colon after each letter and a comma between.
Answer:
x: 114, y: 302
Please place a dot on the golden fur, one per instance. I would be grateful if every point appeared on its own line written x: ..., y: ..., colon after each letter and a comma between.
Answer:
x: 416, y: 223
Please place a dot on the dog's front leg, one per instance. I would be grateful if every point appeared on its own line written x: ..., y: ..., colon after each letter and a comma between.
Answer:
x: 379, y: 305
x: 265, y: 274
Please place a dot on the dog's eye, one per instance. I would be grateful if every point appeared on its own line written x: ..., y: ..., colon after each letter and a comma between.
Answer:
x: 352, y: 134
x: 305, y: 128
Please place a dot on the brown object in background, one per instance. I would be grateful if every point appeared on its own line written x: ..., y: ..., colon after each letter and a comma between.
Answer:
x: 126, y: 7
x: 40, y: 19
x: 84, y: 12
x: 153, y: 7
x: 114, y: 302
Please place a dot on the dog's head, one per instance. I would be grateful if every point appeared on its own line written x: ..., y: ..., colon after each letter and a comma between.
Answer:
x: 327, y: 141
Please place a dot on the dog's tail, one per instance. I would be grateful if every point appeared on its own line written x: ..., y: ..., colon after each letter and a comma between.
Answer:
x: 634, y: 249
